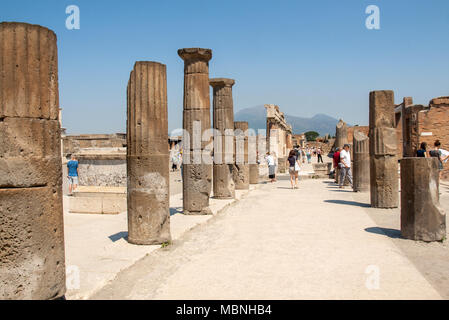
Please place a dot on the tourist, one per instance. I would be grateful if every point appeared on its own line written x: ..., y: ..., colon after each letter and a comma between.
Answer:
x: 72, y: 166
x: 320, y: 157
x: 345, y: 166
x: 438, y: 153
x: 303, y: 155
x: 336, y: 158
x: 174, y: 160
x: 293, y: 165
x: 422, y: 152
x: 271, y: 167
x: 309, y: 155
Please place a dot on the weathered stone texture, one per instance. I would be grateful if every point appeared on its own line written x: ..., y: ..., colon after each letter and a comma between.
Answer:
x: 147, y: 155
x: 254, y: 173
x: 241, y: 167
x: 383, y: 151
x: 197, y: 177
x: 341, y: 134
x: 223, y: 114
x: 361, y: 162
x: 421, y: 215
x: 32, y: 262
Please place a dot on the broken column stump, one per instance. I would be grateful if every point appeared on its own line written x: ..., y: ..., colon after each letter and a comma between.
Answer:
x: 197, y: 174
x: 384, y: 184
x: 241, y: 167
x: 32, y: 262
x: 148, y: 155
x: 421, y: 215
x: 361, y: 165
x: 223, y: 114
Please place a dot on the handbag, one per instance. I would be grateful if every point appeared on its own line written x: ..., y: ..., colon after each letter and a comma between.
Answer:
x: 297, y: 167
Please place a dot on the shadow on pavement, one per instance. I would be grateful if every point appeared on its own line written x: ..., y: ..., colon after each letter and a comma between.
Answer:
x: 349, y: 203
x: 392, y: 233
x: 118, y: 236
x: 174, y: 211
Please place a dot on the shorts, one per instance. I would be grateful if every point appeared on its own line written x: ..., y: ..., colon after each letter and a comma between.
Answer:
x: 73, y: 180
x: 292, y: 170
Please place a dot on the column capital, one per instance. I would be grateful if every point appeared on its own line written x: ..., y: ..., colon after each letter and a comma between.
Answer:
x: 188, y: 54
x: 221, y: 82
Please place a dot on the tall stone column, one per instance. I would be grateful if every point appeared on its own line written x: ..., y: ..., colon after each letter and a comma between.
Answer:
x: 383, y: 150
x: 197, y: 175
x: 147, y: 155
x: 32, y: 264
x: 421, y: 215
x: 361, y: 169
x: 223, y: 183
x: 241, y: 167
x: 410, y: 129
x: 341, y: 134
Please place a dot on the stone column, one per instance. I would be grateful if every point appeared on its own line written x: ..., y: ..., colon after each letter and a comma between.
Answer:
x: 241, y: 167
x: 383, y: 154
x: 147, y: 155
x: 197, y: 175
x: 341, y: 134
x: 361, y: 169
x: 32, y: 264
x: 421, y: 216
x: 410, y: 129
x: 223, y: 183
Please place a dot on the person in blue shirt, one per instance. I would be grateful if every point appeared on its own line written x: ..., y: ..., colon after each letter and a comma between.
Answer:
x: 72, y: 166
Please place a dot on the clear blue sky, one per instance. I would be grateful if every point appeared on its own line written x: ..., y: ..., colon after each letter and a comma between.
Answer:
x: 307, y: 57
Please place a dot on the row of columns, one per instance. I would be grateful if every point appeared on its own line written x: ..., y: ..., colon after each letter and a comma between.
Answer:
x: 376, y: 169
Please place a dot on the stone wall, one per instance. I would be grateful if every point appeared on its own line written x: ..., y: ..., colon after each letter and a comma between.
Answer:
x: 74, y: 144
x: 433, y: 124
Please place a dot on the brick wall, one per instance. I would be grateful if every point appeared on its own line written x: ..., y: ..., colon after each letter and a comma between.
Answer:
x: 433, y: 125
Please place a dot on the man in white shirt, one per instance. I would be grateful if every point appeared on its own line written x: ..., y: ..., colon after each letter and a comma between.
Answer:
x: 345, y: 165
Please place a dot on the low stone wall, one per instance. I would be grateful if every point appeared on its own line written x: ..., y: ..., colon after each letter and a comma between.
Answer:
x: 104, y: 173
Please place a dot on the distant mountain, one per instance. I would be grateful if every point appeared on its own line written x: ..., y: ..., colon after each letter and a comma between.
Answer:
x: 256, y: 117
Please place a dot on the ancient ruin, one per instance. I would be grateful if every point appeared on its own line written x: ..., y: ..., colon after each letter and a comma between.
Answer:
x: 223, y: 114
x: 147, y: 155
x: 240, y: 171
x: 32, y: 262
x: 383, y: 150
x: 361, y: 162
x: 279, y: 135
x: 197, y: 175
x: 421, y: 216
x: 341, y: 134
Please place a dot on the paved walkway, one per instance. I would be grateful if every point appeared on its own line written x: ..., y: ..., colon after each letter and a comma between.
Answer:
x: 313, y: 243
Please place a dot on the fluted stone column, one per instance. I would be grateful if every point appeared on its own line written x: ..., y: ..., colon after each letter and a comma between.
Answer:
x: 253, y: 158
x: 361, y: 165
x: 421, y: 215
x: 341, y: 134
x: 223, y: 183
x: 197, y: 175
x: 32, y: 262
x: 383, y: 150
x: 241, y: 167
x: 148, y: 155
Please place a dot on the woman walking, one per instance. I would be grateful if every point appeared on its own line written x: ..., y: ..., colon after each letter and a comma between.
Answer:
x: 294, y: 168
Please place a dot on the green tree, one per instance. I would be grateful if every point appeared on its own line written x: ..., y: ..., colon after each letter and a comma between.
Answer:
x: 311, y: 135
